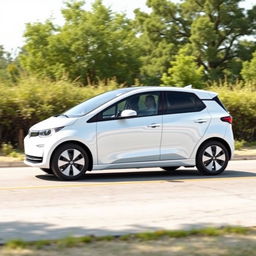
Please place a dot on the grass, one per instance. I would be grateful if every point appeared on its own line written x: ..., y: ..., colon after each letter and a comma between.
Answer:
x: 70, y: 241
x: 225, y: 241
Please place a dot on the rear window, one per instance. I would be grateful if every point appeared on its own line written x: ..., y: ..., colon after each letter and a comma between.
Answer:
x: 182, y: 102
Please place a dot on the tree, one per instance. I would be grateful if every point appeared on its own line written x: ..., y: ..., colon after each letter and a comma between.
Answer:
x: 9, y: 70
x: 184, y: 71
x: 90, y: 46
x: 212, y: 28
x: 249, y: 69
x: 37, y: 55
x: 158, y: 39
x: 4, y: 61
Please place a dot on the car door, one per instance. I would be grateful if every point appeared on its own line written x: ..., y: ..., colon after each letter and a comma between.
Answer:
x: 131, y: 139
x: 185, y: 122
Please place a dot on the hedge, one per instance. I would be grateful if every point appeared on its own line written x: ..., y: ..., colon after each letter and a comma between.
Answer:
x: 32, y: 100
x: 240, y: 100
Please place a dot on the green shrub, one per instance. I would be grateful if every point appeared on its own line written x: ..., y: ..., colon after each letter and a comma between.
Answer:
x: 239, y: 144
x: 240, y: 100
x: 33, y: 100
x: 6, y: 149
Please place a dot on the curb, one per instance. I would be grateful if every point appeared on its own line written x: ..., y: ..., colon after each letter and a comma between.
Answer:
x: 12, y: 164
x: 237, y: 157
x: 21, y: 164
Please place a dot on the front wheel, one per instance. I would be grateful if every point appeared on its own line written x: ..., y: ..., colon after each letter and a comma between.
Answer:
x: 212, y: 158
x: 70, y: 162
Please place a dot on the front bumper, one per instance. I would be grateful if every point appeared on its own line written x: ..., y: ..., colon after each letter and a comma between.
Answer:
x: 33, y: 159
x: 36, y: 150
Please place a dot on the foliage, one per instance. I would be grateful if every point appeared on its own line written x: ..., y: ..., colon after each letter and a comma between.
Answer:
x: 239, y: 144
x: 180, y: 43
x: 33, y: 99
x: 91, y: 45
x: 3, y: 64
x: 240, y: 100
x: 6, y: 70
x: 6, y: 149
x: 183, y: 72
x: 212, y: 28
x: 249, y: 67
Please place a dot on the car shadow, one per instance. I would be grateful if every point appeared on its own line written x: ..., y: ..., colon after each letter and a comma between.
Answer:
x: 179, y: 175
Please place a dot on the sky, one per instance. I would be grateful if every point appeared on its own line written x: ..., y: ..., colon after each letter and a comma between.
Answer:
x: 14, y: 14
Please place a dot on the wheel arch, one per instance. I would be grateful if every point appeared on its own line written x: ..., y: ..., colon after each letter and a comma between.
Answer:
x: 219, y: 140
x: 80, y: 144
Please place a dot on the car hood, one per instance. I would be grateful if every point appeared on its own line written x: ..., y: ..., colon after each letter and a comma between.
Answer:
x: 53, y: 122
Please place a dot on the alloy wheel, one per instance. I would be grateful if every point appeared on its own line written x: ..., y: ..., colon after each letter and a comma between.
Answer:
x: 214, y: 158
x: 71, y: 162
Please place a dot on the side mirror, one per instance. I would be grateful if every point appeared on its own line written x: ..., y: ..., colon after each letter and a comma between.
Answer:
x: 128, y: 113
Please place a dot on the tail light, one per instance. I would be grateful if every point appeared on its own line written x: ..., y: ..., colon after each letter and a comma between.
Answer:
x: 228, y: 119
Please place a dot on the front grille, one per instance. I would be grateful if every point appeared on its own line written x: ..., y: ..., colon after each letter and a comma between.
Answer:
x: 34, y: 159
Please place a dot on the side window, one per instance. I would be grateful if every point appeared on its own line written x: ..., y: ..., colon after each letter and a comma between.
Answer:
x: 145, y: 104
x: 113, y: 111
x: 182, y: 102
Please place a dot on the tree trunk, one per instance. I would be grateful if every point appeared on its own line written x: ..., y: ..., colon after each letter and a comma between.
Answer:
x: 20, y: 139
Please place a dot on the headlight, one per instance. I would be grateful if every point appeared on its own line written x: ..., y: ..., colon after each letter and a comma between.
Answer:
x: 44, y: 133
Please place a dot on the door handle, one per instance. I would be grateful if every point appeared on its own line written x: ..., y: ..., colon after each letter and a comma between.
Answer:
x: 153, y: 125
x: 200, y: 121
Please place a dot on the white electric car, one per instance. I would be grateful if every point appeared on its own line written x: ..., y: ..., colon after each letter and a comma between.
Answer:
x: 133, y: 128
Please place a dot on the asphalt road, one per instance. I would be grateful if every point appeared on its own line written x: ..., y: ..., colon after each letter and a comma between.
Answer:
x: 38, y: 206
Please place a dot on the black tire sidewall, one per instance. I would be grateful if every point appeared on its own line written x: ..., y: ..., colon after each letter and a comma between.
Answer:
x: 199, y: 163
x: 55, y: 158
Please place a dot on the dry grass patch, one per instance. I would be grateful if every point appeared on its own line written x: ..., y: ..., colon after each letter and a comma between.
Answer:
x: 233, y: 241
x: 233, y: 245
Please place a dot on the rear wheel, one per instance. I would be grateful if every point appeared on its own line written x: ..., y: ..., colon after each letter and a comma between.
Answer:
x: 171, y: 168
x: 70, y: 162
x: 212, y: 158
x: 49, y: 171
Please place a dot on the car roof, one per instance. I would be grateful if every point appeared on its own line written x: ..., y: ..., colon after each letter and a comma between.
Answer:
x: 202, y: 94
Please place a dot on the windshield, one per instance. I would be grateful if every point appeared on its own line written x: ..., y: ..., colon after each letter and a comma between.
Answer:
x: 93, y: 103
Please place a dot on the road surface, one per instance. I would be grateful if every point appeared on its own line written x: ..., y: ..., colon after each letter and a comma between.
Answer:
x: 36, y: 206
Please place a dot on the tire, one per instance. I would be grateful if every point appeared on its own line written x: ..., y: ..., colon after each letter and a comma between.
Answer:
x: 48, y: 171
x: 171, y: 168
x: 212, y: 158
x: 70, y: 162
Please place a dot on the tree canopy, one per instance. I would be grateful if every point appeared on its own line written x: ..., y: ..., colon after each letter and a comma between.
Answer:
x: 90, y: 46
x: 212, y: 29
x: 215, y: 37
